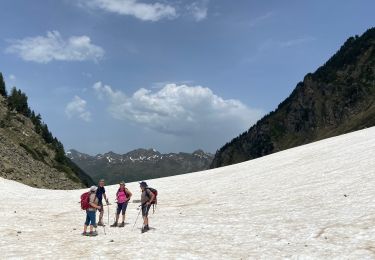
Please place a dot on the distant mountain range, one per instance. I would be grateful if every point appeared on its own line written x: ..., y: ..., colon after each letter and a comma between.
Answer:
x: 338, y: 98
x: 139, y: 164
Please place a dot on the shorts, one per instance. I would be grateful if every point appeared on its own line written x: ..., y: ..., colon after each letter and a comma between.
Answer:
x: 100, y: 203
x: 145, y: 210
x: 90, y: 218
x: 121, y: 207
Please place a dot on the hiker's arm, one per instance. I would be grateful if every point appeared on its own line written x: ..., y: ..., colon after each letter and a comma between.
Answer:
x: 129, y: 193
x: 152, y: 198
x: 105, y: 197
x: 95, y: 206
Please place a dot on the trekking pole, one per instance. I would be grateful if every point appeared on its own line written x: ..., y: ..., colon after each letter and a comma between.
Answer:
x: 108, y: 212
x: 139, y: 212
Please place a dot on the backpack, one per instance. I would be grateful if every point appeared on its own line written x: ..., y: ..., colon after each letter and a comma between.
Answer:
x: 85, y: 200
x: 155, y: 200
x: 155, y: 192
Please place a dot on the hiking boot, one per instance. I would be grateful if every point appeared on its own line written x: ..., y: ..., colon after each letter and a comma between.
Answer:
x: 93, y: 234
x: 114, y: 225
x: 84, y: 233
x: 145, y: 229
x: 101, y: 224
x: 122, y: 224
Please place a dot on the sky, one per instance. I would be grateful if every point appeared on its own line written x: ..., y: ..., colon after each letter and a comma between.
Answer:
x: 176, y: 76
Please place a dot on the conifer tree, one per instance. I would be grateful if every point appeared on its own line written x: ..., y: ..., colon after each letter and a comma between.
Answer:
x: 3, y: 90
x: 17, y: 100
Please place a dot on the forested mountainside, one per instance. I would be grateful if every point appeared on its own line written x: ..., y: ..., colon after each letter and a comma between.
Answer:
x: 337, y: 98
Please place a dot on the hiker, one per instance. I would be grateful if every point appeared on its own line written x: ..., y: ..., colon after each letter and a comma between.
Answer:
x: 123, y: 196
x: 91, y: 213
x: 147, y: 197
x: 100, y: 193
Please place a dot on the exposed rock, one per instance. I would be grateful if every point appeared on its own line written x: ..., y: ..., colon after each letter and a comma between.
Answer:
x: 25, y: 157
x: 338, y: 98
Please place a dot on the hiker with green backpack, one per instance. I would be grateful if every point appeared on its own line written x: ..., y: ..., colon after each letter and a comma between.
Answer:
x: 123, y: 196
x: 89, y: 202
x: 148, y: 198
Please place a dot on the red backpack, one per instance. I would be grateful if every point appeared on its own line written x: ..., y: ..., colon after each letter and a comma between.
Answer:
x: 155, y: 192
x: 154, y: 202
x: 85, y: 200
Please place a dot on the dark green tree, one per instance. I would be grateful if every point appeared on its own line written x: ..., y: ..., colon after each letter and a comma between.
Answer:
x: 60, y: 152
x: 3, y: 90
x: 46, y: 134
x: 17, y: 100
x: 37, y: 121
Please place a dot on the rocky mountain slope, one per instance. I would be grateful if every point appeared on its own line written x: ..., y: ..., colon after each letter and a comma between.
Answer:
x: 139, y: 164
x: 26, y: 157
x: 338, y: 98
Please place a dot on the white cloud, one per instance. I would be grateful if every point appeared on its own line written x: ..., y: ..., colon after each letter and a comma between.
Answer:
x: 180, y: 110
x: 198, y: 10
x: 12, y: 77
x: 298, y: 41
x: 261, y: 18
x: 77, y: 108
x: 143, y: 11
x: 43, y: 49
x: 271, y: 44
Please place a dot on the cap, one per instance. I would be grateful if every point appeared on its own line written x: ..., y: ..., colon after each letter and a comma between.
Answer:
x: 93, y: 188
x: 143, y: 184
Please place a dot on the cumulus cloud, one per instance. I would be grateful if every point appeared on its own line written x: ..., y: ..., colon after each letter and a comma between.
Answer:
x: 143, y: 11
x: 53, y: 46
x: 198, y: 10
x: 179, y: 110
x: 77, y: 108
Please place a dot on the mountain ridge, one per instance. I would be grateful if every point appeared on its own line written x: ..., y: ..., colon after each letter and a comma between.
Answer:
x: 337, y: 98
x: 139, y: 164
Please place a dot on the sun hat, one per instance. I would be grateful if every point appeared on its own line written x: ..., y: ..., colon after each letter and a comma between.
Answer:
x: 93, y: 188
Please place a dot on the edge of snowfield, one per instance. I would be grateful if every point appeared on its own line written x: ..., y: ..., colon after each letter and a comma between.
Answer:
x: 312, y: 202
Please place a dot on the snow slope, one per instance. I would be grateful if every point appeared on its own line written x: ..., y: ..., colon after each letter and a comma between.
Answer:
x: 315, y: 201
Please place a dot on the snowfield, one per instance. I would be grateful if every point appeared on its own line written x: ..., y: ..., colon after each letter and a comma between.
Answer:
x: 312, y: 202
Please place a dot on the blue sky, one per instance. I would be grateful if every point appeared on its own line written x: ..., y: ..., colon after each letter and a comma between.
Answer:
x: 172, y: 75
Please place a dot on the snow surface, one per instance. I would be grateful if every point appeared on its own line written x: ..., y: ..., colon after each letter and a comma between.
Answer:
x: 312, y: 202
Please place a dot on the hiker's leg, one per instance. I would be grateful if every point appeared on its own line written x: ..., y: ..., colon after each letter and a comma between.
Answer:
x: 145, y: 210
x: 101, y: 213
x: 87, y: 222
x: 91, y: 228
x: 92, y: 219
x: 143, y: 213
x: 101, y: 216
x: 146, y: 218
x: 119, y: 208
x: 123, y: 210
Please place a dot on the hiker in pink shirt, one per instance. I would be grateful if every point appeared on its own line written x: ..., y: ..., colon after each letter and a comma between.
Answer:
x: 123, y: 196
